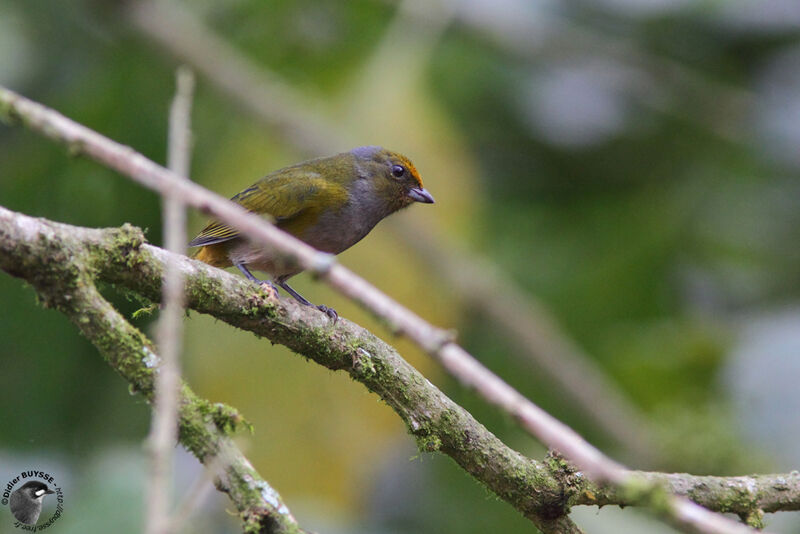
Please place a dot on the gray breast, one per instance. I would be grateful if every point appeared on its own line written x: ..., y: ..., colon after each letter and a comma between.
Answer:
x: 25, y: 509
x: 336, y: 231
x: 341, y: 229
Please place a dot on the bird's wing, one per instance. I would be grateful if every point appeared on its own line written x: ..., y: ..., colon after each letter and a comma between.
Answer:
x: 285, y: 196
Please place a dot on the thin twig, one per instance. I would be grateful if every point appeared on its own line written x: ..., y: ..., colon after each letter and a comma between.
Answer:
x: 265, y: 96
x: 163, y: 434
x: 179, y: 152
x: 436, y: 342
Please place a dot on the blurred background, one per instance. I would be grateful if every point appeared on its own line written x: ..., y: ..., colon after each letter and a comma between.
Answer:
x: 616, y: 234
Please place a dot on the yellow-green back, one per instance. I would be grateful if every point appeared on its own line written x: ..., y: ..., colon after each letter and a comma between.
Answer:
x: 294, y: 196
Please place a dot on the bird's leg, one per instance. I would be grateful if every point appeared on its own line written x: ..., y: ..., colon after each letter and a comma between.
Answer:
x: 266, y: 285
x: 330, y: 312
x: 297, y: 296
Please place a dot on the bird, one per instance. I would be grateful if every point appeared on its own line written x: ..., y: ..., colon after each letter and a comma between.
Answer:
x: 26, y: 502
x: 330, y: 203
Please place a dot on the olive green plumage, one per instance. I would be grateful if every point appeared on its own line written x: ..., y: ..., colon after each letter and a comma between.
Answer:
x: 294, y: 196
x: 330, y: 203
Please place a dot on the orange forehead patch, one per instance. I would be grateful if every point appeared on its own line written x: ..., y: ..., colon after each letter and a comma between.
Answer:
x: 410, y: 166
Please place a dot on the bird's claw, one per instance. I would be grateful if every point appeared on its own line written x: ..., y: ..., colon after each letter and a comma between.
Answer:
x: 330, y: 312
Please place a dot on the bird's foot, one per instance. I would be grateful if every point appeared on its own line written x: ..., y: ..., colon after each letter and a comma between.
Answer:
x: 330, y: 312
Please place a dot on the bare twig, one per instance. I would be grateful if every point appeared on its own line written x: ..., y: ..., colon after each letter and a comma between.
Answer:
x: 264, y: 95
x: 436, y: 342
x: 179, y: 153
x: 163, y: 432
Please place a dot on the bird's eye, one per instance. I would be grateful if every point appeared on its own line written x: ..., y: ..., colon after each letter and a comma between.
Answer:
x: 398, y: 170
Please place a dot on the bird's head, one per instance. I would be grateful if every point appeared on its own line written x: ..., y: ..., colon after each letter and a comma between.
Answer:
x: 35, y: 490
x: 390, y: 176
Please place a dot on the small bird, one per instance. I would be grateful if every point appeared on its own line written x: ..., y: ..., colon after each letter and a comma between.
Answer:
x: 329, y: 203
x: 26, y: 502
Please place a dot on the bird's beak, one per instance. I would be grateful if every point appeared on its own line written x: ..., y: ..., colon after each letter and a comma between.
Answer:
x: 419, y: 194
x: 49, y: 491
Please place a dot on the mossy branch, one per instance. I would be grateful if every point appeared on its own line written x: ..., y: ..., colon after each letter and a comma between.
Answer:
x: 62, y: 263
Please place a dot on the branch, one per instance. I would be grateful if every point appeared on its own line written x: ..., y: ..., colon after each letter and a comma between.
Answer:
x: 436, y: 342
x: 60, y: 262
x: 746, y: 496
x: 34, y: 249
